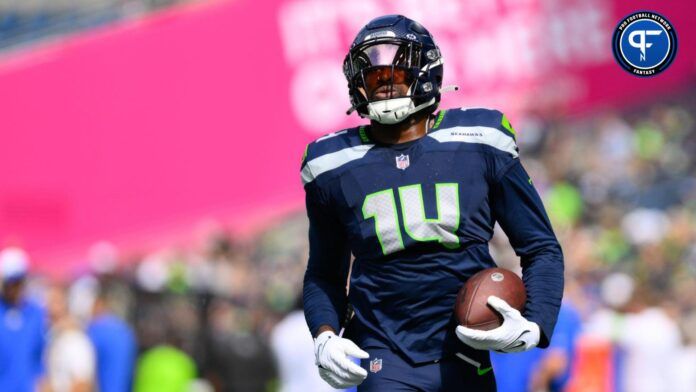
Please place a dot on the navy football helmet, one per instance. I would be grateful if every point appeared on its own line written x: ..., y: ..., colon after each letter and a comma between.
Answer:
x: 393, y: 50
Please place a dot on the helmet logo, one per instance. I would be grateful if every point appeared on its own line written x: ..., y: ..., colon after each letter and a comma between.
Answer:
x: 410, y: 36
x: 380, y: 34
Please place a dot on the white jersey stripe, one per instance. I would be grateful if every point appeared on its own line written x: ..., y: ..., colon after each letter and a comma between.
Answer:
x: 332, y: 161
x: 330, y: 135
x: 483, y: 135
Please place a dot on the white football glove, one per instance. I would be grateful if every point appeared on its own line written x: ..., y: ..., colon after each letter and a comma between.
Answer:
x: 515, y: 335
x: 331, y: 352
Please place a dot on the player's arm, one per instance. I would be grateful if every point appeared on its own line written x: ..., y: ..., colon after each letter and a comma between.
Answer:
x: 516, y: 205
x: 324, y: 294
x: 325, y: 280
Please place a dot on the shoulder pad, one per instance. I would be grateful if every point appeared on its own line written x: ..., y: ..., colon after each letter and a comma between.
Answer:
x: 332, y: 151
x: 476, y: 125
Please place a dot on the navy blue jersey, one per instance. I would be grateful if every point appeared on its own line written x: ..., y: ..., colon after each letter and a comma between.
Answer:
x: 417, y: 217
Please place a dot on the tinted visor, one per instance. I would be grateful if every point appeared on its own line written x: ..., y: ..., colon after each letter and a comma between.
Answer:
x: 372, y: 54
x: 376, y: 64
x: 390, y: 80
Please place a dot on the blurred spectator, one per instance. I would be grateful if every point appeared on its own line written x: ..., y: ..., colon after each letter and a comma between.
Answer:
x: 164, y: 368
x: 537, y: 369
x: 22, y: 327
x: 293, y: 349
x: 646, y: 340
x: 554, y: 369
x: 115, y: 346
x: 168, y: 329
x: 70, y: 357
x: 239, y: 356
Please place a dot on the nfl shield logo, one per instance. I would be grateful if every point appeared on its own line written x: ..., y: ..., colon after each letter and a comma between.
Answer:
x: 402, y: 162
x: 376, y: 365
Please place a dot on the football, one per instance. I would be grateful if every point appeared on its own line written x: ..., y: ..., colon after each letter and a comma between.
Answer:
x: 472, y: 309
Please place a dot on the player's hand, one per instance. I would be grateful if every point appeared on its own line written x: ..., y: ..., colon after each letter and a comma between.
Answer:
x: 331, y: 352
x: 515, y: 335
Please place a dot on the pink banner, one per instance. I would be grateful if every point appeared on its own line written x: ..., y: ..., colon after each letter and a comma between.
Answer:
x: 138, y: 131
x: 516, y: 55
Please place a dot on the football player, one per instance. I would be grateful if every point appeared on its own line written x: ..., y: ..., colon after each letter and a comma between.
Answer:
x: 414, y: 197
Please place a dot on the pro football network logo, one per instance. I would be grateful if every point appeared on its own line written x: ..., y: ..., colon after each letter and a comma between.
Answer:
x: 644, y: 43
x: 402, y: 162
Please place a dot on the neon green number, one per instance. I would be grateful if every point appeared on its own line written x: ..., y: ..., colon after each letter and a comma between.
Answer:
x: 382, y: 207
x: 440, y: 229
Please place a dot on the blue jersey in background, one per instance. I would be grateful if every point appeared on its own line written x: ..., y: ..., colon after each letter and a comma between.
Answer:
x: 513, y: 371
x: 115, y: 347
x: 22, y: 340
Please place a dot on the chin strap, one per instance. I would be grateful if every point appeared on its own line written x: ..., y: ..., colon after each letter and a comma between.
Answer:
x: 446, y: 89
x: 355, y: 107
x: 390, y: 116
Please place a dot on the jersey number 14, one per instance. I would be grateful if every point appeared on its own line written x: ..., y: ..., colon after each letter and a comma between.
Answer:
x: 381, y: 206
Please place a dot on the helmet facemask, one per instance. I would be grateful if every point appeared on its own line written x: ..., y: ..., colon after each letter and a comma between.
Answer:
x: 386, y: 79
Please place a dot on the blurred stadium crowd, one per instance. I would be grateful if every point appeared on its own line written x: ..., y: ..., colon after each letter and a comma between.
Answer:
x: 619, y: 187
x: 24, y: 21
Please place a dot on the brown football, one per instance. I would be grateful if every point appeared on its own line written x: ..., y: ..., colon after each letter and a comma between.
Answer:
x: 472, y: 309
